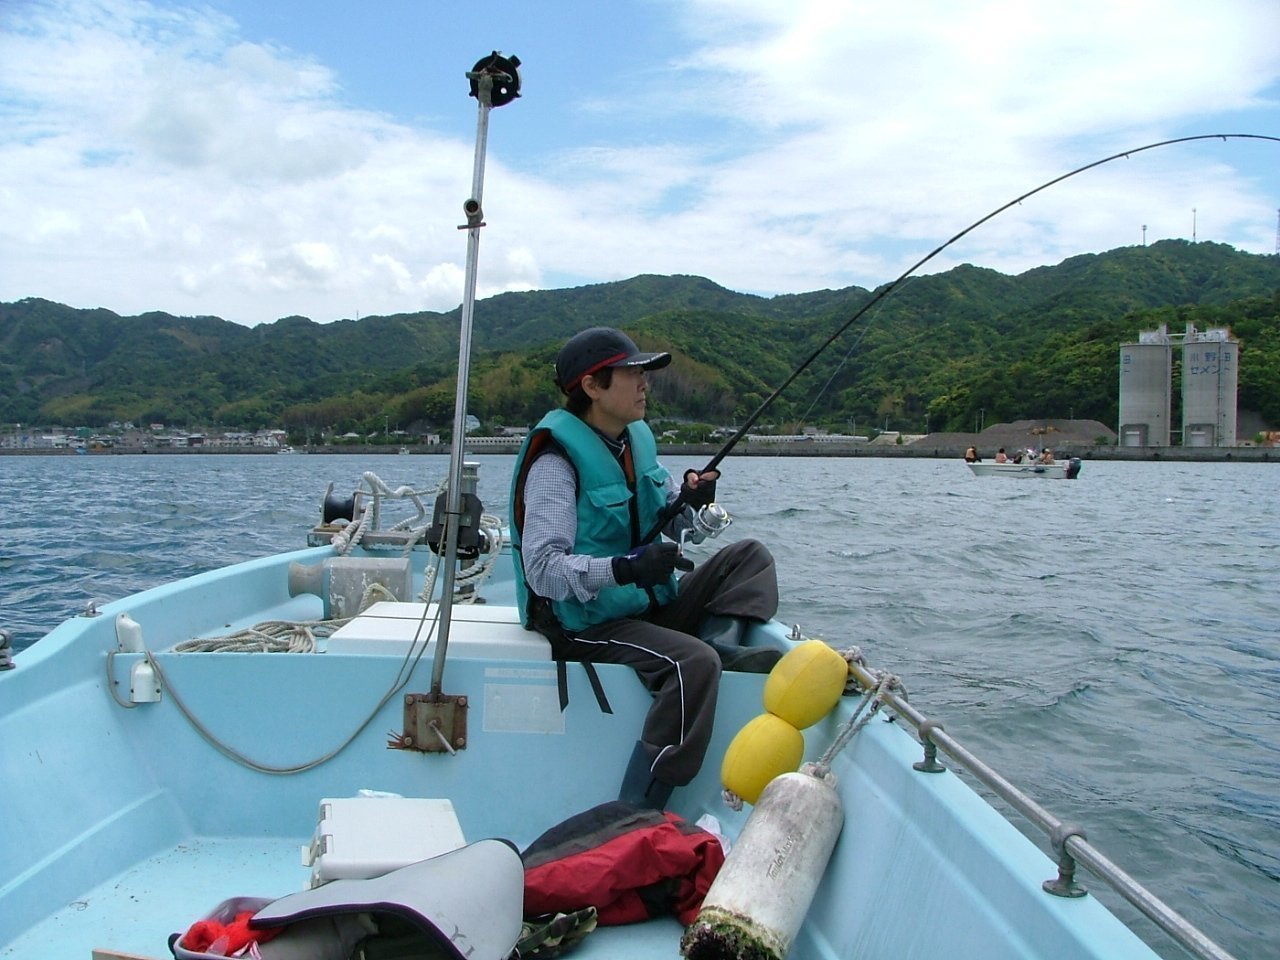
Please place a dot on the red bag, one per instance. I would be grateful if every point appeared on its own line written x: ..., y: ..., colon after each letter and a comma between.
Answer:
x: 630, y: 863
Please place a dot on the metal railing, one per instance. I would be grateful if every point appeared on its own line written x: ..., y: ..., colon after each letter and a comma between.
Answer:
x: 1068, y: 840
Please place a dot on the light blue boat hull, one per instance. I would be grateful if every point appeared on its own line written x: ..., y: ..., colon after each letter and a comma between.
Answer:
x: 125, y: 825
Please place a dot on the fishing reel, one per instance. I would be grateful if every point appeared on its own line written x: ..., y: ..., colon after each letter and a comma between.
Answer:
x: 708, y: 522
x: 712, y: 520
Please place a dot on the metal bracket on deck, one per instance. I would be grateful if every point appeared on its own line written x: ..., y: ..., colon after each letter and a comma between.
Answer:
x: 930, y: 762
x: 1064, y: 885
x: 433, y: 723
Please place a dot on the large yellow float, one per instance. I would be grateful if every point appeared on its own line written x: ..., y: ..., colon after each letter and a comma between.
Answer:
x: 802, y: 688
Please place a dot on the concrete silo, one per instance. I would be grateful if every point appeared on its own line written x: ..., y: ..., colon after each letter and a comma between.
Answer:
x: 1146, y: 388
x: 1210, y: 376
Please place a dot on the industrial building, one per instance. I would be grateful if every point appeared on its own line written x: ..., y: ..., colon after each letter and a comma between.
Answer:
x: 1146, y: 390
x: 1210, y: 378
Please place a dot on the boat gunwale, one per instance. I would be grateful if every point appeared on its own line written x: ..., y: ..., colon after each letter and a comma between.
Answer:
x: 1068, y: 842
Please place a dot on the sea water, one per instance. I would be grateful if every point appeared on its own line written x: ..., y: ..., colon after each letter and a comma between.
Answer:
x: 1110, y: 644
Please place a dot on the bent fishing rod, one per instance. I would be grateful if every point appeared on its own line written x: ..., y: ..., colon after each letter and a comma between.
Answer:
x: 884, y: 292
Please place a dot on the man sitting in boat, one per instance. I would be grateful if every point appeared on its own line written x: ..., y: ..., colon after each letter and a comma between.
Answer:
x: 587, y: 488
x: 971, y: 455
x: 1046, y: 456
x: 1001, y: 456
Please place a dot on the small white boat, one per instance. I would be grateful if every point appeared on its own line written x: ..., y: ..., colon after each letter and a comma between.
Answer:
x: 1060, y: 470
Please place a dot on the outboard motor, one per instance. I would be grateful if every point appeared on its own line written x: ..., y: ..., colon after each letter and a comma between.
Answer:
x: 1073, y: 468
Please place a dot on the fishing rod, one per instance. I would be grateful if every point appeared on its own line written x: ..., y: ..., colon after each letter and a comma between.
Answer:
x: 676, y: 505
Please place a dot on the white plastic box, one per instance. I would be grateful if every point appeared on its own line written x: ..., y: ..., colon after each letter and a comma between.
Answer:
x: 361, y: 837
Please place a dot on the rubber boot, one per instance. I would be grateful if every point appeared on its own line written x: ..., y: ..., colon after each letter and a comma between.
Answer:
x: 640, y: 787
x: 725, y: 636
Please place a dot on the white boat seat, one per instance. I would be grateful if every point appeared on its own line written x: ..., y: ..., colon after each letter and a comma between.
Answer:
x: 482, y: 631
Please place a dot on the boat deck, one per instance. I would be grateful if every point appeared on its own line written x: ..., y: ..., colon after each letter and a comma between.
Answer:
x: 154, y: 827
x: 135, y: 912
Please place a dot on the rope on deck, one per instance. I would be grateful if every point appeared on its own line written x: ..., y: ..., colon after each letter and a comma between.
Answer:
x: 281, y: 636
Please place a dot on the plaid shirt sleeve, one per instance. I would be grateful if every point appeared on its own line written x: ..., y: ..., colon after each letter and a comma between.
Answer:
x: 551, y: 567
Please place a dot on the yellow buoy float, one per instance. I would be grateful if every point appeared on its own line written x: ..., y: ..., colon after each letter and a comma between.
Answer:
x: 806, y: 684
x: 765, y: 748
x: 803, y: 687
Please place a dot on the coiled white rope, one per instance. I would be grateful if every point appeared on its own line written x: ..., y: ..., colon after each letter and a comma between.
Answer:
x: 350, y: 536
x: 370, y: 519
x: 469, y: 577
x: 281, y: 636
x: 270, y: 636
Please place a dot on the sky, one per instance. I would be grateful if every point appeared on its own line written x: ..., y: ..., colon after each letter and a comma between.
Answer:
x: 253, y: 160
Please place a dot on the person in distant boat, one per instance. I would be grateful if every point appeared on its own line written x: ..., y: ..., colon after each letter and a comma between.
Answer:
x: 971, y: 455
x: 1001, y: 456
x: 1046, y: 456
x: 587, y: 488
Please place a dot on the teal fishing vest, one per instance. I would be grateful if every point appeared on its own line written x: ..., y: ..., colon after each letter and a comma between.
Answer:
x: 605, y: 527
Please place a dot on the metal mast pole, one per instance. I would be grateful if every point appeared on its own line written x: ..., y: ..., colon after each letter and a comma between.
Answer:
x: 494, y: 82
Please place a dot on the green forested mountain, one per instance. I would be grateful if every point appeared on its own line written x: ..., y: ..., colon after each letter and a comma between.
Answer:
x: 1041, y: 344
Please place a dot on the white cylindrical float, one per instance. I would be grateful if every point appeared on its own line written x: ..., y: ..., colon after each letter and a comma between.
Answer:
x: 760, y: 897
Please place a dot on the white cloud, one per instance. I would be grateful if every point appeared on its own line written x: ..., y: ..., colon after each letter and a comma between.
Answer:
x: 787, y: 147
x: 55, y: 224
x: 443, y: 281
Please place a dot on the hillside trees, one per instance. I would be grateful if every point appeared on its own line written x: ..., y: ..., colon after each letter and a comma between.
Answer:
x: 1257, y: 326
x: 955, y: 349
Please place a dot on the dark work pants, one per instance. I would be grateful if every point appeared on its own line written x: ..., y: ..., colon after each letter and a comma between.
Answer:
x: 682, y: 671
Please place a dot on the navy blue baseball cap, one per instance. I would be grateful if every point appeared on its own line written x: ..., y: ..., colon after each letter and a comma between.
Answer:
x: 592, y: 350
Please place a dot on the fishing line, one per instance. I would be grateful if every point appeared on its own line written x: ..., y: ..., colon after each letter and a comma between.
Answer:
x: 843, y: 360
x: 884, y: 292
